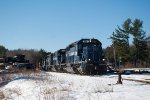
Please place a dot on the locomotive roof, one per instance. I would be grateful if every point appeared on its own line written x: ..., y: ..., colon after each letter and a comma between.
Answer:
x: 60, y: 50
x: 83, y: 41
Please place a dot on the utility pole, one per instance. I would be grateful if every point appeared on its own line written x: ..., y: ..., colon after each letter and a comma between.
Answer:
x: 114, y: 51
x: 149, y: 51
x: 138, y: 60
x: 148, y: 46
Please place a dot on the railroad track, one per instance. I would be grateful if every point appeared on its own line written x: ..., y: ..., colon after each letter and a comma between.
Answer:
x: 142, y: 81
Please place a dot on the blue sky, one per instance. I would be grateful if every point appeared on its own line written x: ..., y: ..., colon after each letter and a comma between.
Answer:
x: 53, y: 24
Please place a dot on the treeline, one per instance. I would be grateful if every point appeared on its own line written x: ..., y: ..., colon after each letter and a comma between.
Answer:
x: 122, y: 52
x: 34, y: 56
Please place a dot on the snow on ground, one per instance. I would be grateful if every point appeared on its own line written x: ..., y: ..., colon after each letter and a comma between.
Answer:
x: 63, y: 86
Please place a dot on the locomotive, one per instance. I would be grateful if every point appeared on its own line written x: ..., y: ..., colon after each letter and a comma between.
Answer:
x: 82, y: 57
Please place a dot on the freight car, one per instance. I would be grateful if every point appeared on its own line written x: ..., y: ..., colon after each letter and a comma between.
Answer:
x: 17, y: 62
x: 82, y: 57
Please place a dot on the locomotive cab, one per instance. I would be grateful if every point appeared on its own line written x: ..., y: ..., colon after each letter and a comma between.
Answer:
x: 91, y: 53
x: 91, y: 58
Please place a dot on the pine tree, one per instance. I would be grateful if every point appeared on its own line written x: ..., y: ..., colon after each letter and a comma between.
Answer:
x: 139, y: 41
x: 121, y: 40
x: 3, y: 51
x: 139, y: 52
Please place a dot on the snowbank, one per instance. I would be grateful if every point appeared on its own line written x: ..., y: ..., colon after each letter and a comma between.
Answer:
x: 62, y: 86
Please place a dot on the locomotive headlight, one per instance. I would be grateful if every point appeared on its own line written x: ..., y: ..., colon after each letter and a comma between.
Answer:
x: 89, y: 59
x: 103, y: 59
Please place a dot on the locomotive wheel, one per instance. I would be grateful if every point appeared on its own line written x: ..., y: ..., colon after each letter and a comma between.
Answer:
x: 76, y: 70
x: 56, y: 68
x: 89, y: 70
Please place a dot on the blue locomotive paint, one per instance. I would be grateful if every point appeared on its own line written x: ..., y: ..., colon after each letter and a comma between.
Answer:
x: 82, y: 57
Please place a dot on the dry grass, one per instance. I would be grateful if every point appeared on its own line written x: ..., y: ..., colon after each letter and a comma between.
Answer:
x: 9, y: 93
x: 60, y: 92
x: 1, y: 95
x: 54, y: 94
x: 28, y: 74
x: 2, y: 67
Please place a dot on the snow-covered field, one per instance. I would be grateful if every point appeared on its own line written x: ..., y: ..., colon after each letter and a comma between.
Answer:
x: 63, y: 86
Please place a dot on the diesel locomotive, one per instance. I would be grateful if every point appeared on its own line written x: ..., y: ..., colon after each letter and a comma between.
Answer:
x: 82, y: 57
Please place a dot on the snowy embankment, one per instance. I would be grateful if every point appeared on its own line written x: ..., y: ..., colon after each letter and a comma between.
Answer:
x: 62, y: 86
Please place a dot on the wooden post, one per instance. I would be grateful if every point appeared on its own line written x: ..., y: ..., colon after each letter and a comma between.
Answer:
x: 119, y: 78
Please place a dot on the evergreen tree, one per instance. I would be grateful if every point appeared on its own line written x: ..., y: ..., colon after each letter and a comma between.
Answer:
x: 139, y: 41
x: 108, y: 52
x: 43, y: 53
x: 126, y: 29
x: 3, y: 51
x: 139, y: 53
x: 121, y: 40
